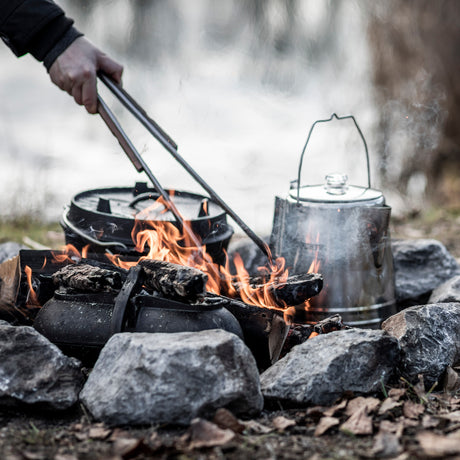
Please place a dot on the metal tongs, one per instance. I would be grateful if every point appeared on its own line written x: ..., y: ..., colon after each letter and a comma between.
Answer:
x: 166, y: 141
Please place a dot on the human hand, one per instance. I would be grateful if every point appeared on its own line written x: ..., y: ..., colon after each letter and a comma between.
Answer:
x: 74, y: 71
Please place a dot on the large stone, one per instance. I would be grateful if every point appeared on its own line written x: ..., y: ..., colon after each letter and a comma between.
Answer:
x: 33, y: 371
x: 447, y: 292
x: 321, y: 369
x: 143, y: 378
x: 429, y: 336
x: 9, y: 249
x: 420, y: 267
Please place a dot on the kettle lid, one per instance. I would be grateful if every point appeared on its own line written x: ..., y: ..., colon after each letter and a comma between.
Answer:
x: 336, y: 190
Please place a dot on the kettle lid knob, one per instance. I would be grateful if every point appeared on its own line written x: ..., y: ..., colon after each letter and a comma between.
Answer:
x: 336, y: 184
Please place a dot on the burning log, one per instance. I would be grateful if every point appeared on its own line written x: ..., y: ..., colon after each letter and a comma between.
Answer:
x: 295, y: 290
x: 89, y: 278
x: 174, y: 281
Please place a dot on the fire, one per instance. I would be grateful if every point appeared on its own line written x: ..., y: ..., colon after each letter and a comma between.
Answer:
x: 32, y: 298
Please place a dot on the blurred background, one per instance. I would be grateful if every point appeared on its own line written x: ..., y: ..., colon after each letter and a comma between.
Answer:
x: 237, y: 84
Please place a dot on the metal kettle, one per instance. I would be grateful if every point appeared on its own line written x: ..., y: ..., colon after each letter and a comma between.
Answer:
x: 341, y: 231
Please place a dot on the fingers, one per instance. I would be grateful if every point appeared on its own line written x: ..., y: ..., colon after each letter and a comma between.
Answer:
x: 110, y: 67
x: 74, y: 71
x: 89, y: 94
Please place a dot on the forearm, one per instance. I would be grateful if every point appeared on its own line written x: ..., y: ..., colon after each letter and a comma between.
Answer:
x: 36, y: 27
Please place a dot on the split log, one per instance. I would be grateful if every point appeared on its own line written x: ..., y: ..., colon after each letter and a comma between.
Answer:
x: 173, y: 280
x: 300, y: 333
x: 264, y: 329
x: 294, y: 291
x: 87, y: 278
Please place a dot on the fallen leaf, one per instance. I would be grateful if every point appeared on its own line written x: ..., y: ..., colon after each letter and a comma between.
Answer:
x: 226, y: 420
x: 392, y: 427
x: 99, y: 431
x: 256, y: 427
x: 207, y: 434
x: 386, y: 444
x: 356, y: 404
x: 397, y: 393
x: 29, y: 455
x: 325, y: 424
x: 281, y: 423
x: 452, y: 416
x: 338, y: 407
x: 65, y: 457
x: 429, y: 421
x: 434, y: 445
x: 388, y: 405
x: 358, y: 423
x: 412, y: 409
x: 126, y: 447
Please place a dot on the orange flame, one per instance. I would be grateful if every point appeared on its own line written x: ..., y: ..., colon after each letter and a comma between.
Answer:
x: 32, y: 298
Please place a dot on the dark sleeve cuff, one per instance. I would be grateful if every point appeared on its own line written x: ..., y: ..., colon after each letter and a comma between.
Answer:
x: 64, y: 42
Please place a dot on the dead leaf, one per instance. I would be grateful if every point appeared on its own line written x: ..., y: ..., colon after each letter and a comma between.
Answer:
x: 207, y: 434
x: 256, y: 427
x: 127, y: 447
x: 434, y: 445
x: 356, y: 404
x: 281, y: 423
x: 99, y: 431
x: 386, y: 444
x: 358, y: 423
x: 65, y: 457
x: 429, y: 421
x: 338, y: 407
x: 392, y: 427
x: 397, y: 393
x: 413, y: 410
x: 29, y: 455
x: 325, y: 424
x: 388, y: 405
x: 226, y: 420
x: 452, y: 416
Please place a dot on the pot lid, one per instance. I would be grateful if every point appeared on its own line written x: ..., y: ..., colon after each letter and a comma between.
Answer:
x: 336, y: 190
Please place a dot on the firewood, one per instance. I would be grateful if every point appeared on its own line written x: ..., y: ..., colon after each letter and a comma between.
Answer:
x: 88, y: 278
x: 174, y: 281
x: 294, y: 291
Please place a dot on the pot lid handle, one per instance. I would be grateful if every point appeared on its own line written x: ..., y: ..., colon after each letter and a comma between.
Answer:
x: 334, y: 115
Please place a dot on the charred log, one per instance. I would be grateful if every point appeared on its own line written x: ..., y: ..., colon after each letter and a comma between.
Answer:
x: 87, y: 278
x: 294, y: 291
x: 174, y: 281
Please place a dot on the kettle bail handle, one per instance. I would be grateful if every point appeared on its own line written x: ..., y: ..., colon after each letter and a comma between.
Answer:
x: 334, y: 115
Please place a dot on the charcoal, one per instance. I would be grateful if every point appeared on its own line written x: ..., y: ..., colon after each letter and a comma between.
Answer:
x: 429, y: 336
x: 322, y: 369
x: 34, y: 372
x: 160, y: 378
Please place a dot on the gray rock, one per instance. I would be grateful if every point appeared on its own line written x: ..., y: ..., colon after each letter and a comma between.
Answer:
x: 321, y: 369
x: 429, y: 336
x: 420, y: 267
x: 143, y: 378
x: 33, y: 371
x: 9, y: 250
x: 447, y: 292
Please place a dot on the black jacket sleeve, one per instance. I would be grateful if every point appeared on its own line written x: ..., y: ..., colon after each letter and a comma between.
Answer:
x: 38, y: 27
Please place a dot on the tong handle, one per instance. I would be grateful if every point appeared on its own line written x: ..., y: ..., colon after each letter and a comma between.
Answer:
x: 115, y: 128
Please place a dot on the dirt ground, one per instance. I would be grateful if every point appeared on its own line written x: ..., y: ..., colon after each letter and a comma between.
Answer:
x: 403, y: 421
